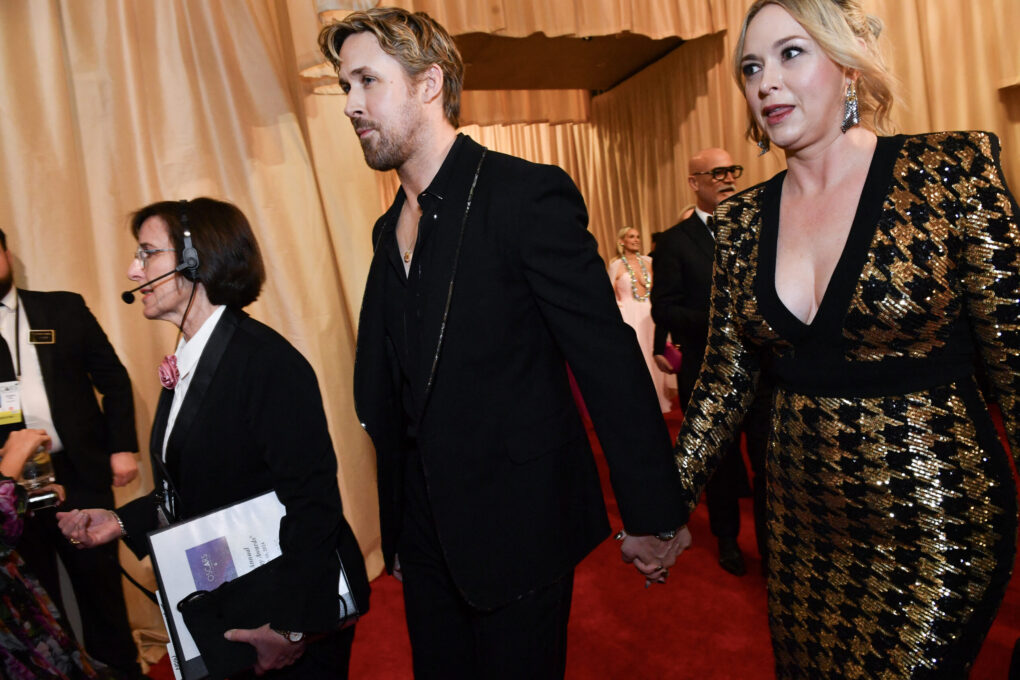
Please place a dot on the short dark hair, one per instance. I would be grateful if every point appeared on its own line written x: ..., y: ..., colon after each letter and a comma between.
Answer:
x: 230, y: 264
x: 414, y: 39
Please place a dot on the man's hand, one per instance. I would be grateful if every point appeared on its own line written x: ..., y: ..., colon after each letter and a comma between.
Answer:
x: 663, y: 364
x: 272, y: 649
x: 124, y: 467
x: 89, y: 528
x: 653, y: 557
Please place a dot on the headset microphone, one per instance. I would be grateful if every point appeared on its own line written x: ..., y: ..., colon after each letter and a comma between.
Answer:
x: 128, y: 295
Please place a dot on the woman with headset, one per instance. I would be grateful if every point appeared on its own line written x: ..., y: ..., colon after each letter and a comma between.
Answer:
x: 240, y: 414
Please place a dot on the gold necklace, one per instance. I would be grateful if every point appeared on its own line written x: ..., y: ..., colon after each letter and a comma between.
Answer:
x: 407, y: 254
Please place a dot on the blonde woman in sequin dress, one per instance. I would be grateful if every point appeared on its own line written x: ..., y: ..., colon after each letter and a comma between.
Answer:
x: 868, y: 279
x: 631, y: 274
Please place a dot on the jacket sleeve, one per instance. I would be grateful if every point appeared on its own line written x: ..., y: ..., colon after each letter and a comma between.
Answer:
x: 289, y: 427
x: 671, y: 308
x: 991, y: 275
x: 727, y: 381
x: 111, y: 380
x: 568, y: 280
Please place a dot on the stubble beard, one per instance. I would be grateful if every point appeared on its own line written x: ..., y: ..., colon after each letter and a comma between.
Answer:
x: 393, y: 147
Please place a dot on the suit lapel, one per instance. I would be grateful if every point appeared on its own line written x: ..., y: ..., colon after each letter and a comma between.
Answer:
x: 204, y: 373
x: 703, y: 238
x: 39, y: 319
x: 166, y: 398
x: 446, y: 254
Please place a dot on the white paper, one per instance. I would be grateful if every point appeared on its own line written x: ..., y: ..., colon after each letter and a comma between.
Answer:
x: 204, y: 552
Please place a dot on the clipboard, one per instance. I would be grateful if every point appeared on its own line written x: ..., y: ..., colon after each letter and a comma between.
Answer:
x: 207, y: 551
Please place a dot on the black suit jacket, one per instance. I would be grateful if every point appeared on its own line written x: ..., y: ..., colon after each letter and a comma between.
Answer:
x: 513, y: 299
x: 253, y: 421
x: 682, y: 262
x: 80, y: 362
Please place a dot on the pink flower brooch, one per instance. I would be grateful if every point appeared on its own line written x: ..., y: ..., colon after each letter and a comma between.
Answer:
x: 168, y: 373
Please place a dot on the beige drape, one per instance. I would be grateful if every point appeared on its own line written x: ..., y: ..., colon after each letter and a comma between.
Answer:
x: 110, y: 104
x: 106, y: 105
x: 951, y: 57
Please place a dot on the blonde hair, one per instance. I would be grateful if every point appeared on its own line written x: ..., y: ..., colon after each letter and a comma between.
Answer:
x: 619, y: 240
x: 414, y: 39
x: 839, y: 27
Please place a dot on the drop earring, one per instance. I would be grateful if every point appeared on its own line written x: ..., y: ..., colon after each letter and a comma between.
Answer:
x: 763, y: 146
x: 851, y: 113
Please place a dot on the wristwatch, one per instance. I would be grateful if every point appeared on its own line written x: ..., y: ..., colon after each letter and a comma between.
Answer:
x: 290, y: 635
x: 666, y: 535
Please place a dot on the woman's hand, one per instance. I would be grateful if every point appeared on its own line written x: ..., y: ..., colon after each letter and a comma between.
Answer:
x: 57, y: 489
x: 89, y: 528
x: 20, y: 446
x: 272, y: 649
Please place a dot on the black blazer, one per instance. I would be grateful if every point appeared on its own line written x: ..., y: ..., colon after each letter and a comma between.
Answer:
x: 80, y: 362
x: 682, y: 262
x: 511, y: 477
x: 253, y: 421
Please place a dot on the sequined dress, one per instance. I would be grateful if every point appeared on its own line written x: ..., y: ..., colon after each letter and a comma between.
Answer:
x: 891, y: 508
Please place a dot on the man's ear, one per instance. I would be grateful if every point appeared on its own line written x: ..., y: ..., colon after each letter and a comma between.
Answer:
x: 431, y: 83
x: 692, y: 182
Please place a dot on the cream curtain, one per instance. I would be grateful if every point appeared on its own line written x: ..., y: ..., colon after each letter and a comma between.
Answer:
x: 954, y: 60
x: 110, y: 104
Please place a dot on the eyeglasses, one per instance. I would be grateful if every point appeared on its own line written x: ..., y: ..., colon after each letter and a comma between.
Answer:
x: 142, y: 255
x: 719, y: 174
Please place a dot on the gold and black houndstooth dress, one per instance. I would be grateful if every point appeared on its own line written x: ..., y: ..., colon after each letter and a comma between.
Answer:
x: 891, y: 507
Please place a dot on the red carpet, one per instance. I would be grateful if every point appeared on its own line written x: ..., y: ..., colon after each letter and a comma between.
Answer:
x: 704, y: 624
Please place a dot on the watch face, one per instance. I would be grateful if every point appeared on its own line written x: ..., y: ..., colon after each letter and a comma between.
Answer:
x: 295, y: 636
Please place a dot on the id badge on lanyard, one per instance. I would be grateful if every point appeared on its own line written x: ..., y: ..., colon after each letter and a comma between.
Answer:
x: 10, y: 402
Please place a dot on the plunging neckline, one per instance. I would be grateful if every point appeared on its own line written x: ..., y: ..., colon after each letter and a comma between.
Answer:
x: 843, y: 282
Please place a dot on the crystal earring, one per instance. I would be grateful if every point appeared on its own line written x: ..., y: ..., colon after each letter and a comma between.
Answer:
x: 763, y: 146
x: 851, y: 114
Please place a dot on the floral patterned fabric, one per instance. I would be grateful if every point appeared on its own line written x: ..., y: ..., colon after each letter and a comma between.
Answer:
x: 33, y: 641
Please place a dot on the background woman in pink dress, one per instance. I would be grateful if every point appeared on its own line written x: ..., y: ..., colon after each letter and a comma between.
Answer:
x: 631, y: 274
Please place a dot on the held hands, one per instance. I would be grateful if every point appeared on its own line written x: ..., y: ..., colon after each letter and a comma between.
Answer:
x: 89, y: 528
x: 124, y: 468
x: 651, y: 556
x: 272, y: 649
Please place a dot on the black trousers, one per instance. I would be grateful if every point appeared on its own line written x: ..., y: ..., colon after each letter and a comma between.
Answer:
x: 450, y: 639
x: 95, y: 575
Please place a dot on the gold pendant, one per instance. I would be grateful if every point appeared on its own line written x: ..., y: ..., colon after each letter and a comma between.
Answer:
x: 407, y: 256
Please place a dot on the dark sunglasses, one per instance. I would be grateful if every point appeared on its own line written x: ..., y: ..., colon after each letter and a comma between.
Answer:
x: 719, y: 174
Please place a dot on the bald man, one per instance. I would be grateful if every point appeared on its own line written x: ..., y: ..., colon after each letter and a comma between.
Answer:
x: 680, y: 301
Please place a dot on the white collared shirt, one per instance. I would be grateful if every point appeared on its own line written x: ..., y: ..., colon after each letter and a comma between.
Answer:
x: 35, y: 405
x: 704, y: 220
x: 188, y: 353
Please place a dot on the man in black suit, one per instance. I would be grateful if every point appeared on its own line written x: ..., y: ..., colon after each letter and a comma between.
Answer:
x: 682, y: 262
x: 60, y: 356
x: 484, y: 285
